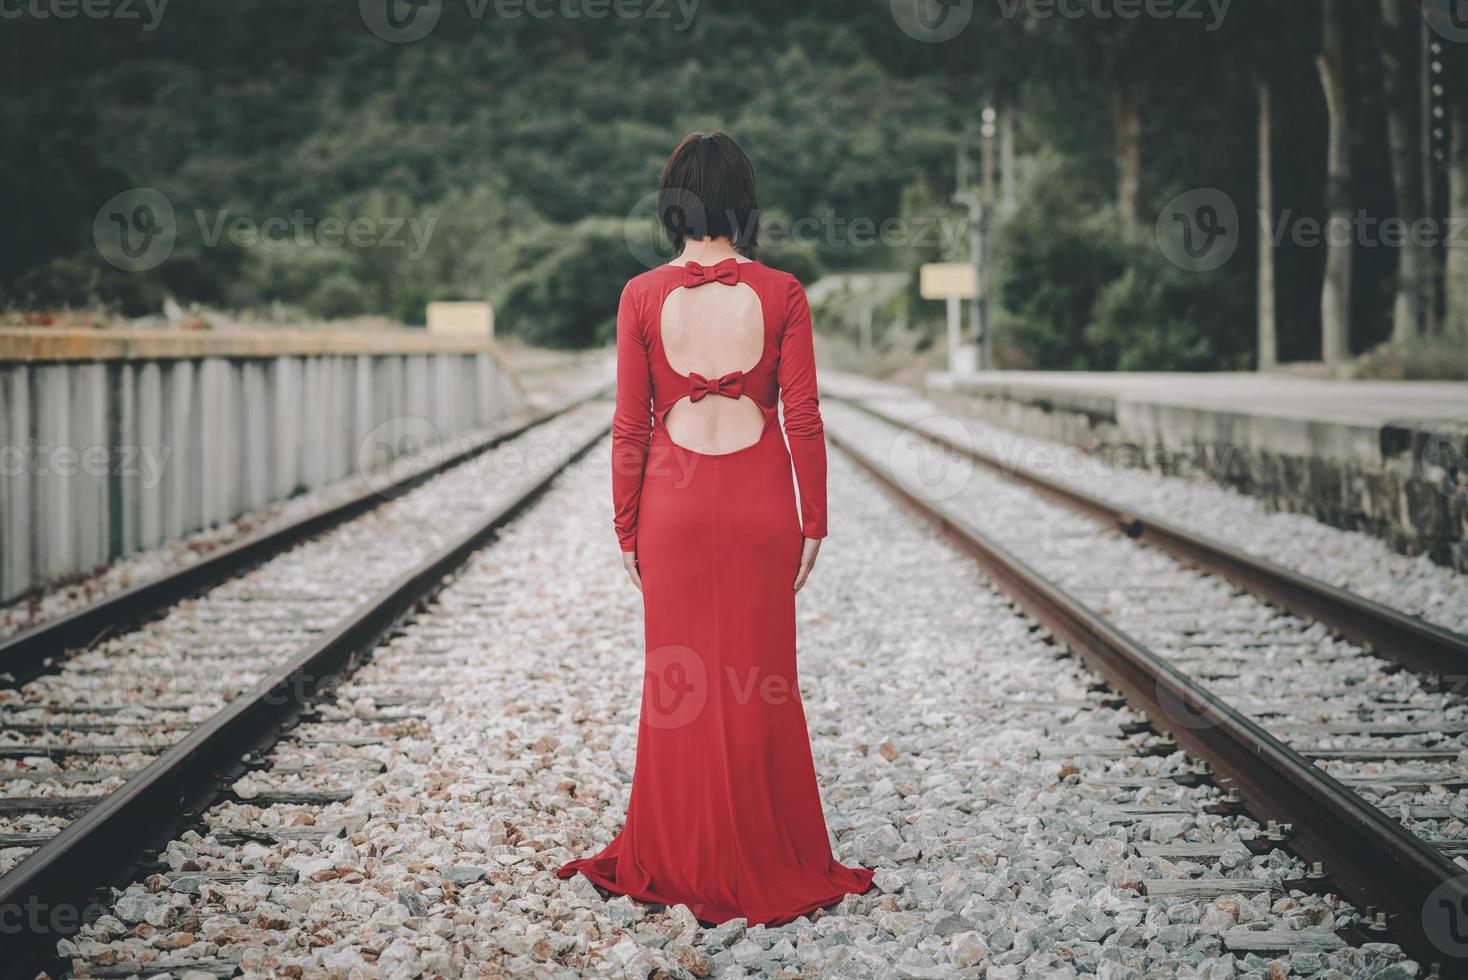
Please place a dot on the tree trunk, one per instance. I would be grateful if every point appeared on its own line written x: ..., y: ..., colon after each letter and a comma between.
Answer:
x: 1335, y: 298
x: 1411, y: 264
x: 1455, y: 277
x: 1007, y: 180
x: 1127, y: 108
x: 1268, y: 346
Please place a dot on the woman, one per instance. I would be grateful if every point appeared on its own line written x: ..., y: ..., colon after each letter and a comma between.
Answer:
x: 725, y: 816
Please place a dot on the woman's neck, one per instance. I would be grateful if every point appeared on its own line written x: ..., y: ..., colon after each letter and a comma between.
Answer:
x: 708, y: 251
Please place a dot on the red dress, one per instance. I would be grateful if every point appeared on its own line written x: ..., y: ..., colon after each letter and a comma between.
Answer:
x: 725, y: 816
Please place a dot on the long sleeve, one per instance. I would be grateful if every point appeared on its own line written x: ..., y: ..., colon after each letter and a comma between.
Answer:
x: 802, y: 411
x: 632, y: 422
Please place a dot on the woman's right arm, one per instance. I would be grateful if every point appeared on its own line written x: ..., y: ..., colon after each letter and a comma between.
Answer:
x: 632, y: 422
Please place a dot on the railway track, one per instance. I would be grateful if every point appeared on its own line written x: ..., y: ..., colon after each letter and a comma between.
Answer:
x: 1303, y: 723
x: 1439, y: 654
x: 415, y: 823
x: 105, y: 752
x: 278, y: 748
x: 29, y: 653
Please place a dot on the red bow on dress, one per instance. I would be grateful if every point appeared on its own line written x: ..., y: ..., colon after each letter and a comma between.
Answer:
x: 726, y: 272
x: 730, y: 385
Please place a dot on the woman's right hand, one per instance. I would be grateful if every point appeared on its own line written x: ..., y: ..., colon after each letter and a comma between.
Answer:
x: 629, y: 562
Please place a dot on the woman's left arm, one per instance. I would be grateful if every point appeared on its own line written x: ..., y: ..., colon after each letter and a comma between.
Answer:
x: 631, y: 427
x: 800, y: 397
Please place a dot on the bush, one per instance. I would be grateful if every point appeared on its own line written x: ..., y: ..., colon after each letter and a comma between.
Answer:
x: 568, y: 297
x: 1152, y: 319
x: 802, y: 263
x: 1077, y: 295
x: 338, y: 297
x: 1056, y: 254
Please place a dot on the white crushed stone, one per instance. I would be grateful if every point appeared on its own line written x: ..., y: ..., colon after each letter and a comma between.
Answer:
x: 959, y: 755
x: 131, y: 695
x: 1350, y: 560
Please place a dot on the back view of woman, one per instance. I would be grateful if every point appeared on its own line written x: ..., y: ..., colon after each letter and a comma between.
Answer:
x: 725, y: 816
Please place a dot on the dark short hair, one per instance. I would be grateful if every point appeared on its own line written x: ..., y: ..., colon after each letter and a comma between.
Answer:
x: 708, y: 190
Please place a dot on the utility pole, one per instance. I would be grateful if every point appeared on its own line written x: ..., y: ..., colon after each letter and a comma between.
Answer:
x: 983, y: 253
x: 980, y: 204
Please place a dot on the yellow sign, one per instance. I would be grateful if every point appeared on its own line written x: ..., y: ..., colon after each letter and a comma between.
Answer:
x: 944, y: 280
x: 461, y: 318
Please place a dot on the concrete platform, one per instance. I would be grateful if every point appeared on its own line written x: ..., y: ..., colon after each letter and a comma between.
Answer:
x: 1386, y: 457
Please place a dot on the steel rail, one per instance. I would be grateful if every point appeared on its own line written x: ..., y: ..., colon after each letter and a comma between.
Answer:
x: 102, y: 846
x: 1370, y: 857
x: 41, y: 648
x: 1420, y: 646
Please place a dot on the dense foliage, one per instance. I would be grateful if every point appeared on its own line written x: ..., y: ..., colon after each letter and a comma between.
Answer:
x: 513, y: 152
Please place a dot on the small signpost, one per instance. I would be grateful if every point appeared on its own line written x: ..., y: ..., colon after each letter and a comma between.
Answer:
x: 476, y: 319
x: 954, y: 282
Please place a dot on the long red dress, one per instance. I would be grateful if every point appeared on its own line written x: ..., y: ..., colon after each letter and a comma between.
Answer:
x: 725, y: 816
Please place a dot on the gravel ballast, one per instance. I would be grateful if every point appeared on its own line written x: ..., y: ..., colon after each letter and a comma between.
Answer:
x: 1013, y: 825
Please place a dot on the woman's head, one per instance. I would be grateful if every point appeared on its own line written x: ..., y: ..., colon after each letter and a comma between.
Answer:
x: 708, y: 191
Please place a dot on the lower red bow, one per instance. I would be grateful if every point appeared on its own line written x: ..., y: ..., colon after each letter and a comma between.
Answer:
x: 729, y: 386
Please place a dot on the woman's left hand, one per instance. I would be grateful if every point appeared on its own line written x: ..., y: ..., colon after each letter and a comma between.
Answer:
x: 808, y: 552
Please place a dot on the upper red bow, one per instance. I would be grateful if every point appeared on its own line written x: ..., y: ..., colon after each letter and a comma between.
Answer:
x: 730, y: 386
x: 726, y: 272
